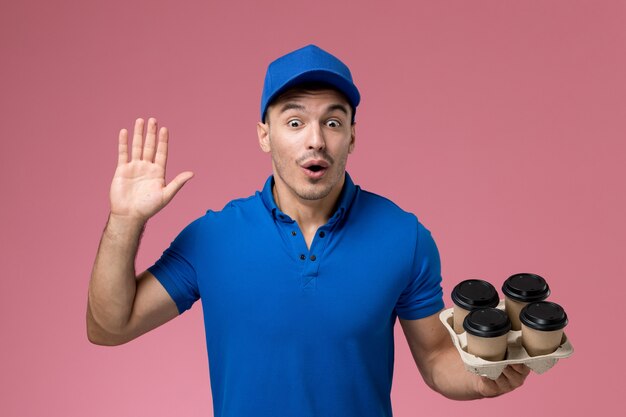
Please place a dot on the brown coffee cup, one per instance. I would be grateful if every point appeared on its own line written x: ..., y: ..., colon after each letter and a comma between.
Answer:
x: 487, y: 330
x: 470, y: 295
x: 542, y: 327
x: 519, y: 290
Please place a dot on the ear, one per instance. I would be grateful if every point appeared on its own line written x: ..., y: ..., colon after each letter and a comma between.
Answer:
x: 352, y: 138
x: 263, y: 132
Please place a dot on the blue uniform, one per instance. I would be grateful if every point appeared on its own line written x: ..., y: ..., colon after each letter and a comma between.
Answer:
x: 293, y: 331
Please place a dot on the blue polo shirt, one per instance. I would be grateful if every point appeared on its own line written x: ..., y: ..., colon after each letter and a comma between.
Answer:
x: 299, y: 332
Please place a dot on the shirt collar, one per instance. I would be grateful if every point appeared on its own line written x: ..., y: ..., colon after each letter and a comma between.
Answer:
x: 346, y: 197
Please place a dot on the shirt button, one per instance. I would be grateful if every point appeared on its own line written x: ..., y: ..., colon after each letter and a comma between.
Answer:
x: 302, y: 257
x: 293, y: 233
x: 312, y: 257
x: 322, y: 234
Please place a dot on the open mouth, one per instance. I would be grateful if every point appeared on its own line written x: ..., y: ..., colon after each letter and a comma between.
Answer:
x: 315, y: 168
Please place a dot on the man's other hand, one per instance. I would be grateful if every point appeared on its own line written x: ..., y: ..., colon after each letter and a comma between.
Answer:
x: 512, y: 377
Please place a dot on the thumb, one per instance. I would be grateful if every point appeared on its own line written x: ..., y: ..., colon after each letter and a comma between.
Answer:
x: 175, y: 185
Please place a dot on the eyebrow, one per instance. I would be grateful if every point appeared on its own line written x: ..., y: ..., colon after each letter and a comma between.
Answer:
x: 337, y: 107
x: 290, y: 106
x: 332, y: 107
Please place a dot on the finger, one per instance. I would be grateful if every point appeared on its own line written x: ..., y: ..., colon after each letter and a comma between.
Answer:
x: 150, y: 145
x: 489, y: 387
x: 176, y: 184
x: 515, y: 378
x: 161, y: 150
x: 503, y: 383
x: 137, y: 140
x: 122, y: 147
x: 520, y: 368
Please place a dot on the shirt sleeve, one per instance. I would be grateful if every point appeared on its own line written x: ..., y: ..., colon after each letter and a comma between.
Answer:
x: 423, y: 296
x: 175, y: 269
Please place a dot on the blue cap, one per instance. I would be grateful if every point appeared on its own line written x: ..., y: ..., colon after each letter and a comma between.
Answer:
x: 308, y: 64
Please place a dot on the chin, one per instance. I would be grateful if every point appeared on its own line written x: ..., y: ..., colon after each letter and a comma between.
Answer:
x: 314, y: 193
x: 319, y: 189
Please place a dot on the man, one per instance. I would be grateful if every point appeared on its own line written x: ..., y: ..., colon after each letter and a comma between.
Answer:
x: 302, y: 282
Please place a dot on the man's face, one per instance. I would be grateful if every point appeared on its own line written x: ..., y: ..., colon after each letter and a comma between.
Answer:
x: 309, y: 135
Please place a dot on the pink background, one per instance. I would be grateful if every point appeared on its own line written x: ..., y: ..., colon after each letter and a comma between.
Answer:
x: 500, y: 123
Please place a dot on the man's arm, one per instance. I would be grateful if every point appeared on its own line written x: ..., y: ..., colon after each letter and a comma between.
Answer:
x: 121, y: 306
x: 442, y: 368
x: 152, y: 307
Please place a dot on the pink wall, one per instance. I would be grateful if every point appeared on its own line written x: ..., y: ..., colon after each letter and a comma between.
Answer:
x: 500, y: 123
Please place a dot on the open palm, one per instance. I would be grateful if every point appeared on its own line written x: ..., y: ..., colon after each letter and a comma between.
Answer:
x: 139, y: 189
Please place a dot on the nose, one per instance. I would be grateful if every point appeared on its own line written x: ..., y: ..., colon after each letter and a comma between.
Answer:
x: 315, y: 138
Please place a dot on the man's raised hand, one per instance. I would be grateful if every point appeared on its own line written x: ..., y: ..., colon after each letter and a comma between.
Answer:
x: 138, y: 190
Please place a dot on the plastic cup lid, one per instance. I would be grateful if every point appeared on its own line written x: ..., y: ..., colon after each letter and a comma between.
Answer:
x: 487, y: 322
x: 543, y: 315
x: 526, y: 288
x: 475, y: 293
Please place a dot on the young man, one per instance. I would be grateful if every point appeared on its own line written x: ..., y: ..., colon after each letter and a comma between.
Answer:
x: 302, y: 282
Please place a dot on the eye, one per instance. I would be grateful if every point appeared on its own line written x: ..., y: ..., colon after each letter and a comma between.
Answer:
x: 333, y: 123
x: 294, y: 123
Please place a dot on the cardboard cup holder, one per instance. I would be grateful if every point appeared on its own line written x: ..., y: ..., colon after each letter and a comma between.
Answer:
x: 515, y: 351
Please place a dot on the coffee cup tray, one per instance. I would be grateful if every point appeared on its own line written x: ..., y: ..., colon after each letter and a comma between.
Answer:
x: 515, y: 351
